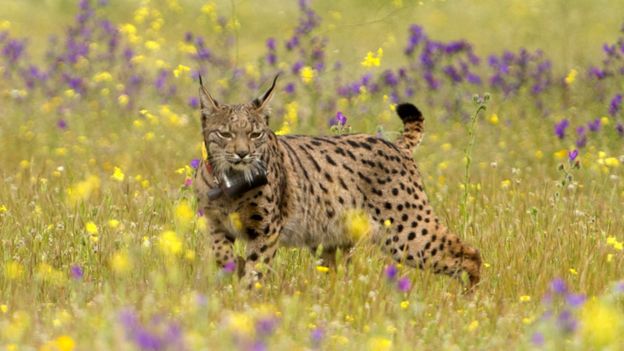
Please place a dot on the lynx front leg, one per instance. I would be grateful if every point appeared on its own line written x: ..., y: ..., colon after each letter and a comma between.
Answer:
x: 260, y: 251
x: 222, y: 248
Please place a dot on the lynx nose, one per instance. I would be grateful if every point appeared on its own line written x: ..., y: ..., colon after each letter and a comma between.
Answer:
x: 242, y: 154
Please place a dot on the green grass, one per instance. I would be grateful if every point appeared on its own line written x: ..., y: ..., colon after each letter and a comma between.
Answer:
x: 529, y: 228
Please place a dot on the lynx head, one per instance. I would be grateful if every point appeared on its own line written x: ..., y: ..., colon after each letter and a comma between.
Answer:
x: 236, y: 136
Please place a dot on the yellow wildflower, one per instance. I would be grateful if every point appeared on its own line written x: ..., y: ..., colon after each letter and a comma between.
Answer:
x: 3, y: 209
x: 405, y: 304
x: 525, y: 298
x: 13, y: 270
x: 204, y: 152
x: 123, y: 100
x: 102, y: 77
x: 69, y: 93
x: 181, y: 69
x: 81, y: 191
x: 24, y: 164
x: 129, y: 31
x: 65, y: 343
x: 604, y: 120
x: 505, y: 184
x: 539, y: 154
x: 561, y: 154
x: 209, y: 8
x: 600, y: 325
x: 113, y: 223
x: 322, y: 269
x: 4, y: 308
x: 118, y: 175
x: 5, y: 25
x: 373, y: 60
x: 377, y: 343
x: 612, y: 162
x: 235, y: 221
x: 140, y: 14
x: 569, y: 79
x: 152, y: 45
x: 473, y: 325
x: 573, y: 271
x: 91, y: 228
x: 49, y: 274
x: 169, y: 243
x: 357, y: 224
x: 184, y: 214
x: 612, y: 241
x: 494, y: 119
x: 189, y: 255
x: 307, y: 74
x: 120, y: 262
x: 240, y: 323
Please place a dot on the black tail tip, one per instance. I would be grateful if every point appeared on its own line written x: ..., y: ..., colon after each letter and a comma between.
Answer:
x: 409, y: 113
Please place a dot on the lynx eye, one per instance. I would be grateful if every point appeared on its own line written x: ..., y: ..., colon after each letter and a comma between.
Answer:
x: 256, y: 135
x: 224, y: 135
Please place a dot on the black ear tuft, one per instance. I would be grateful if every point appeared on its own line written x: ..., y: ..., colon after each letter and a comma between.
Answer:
x: 409, y: 113
x: 205, y: 99
x: 263, y: 101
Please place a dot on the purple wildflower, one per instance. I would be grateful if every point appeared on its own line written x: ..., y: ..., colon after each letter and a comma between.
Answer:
x: 195, y: 163
x: 289, y: 88
x: 76, y: 272
x: 229, y: 267
x: 572, y: 155
x: 201, y: 300
x: 566, y: 322
x: 390, y: 78
x: 266, y: 326
x: 61, y: 124
x: 581, y: 141
x: 159, y: 334
x: 297, y: 67
x: 193, y: 102
x: 558, y: 286
x: 538, y: 339
x: 594, y: 125
x: 270, y: 43
x: 620, y: 129
x: 340, y: 118
x: 575, y: 300
x: 391, y: 272
x: 615, y: 105
x: 561, y: 127
x: 619, y: 287
x: 13, y: 50
x: 317, y: 335
x: 404, y: 284
x: 271, y: 59
x: 597, y: 73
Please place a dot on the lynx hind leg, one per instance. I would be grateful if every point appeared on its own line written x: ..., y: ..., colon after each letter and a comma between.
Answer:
x: 457, y: 258
x: 436, y: 249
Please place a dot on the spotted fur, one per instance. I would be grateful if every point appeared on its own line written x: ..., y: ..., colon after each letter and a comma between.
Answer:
x: 313, y: 181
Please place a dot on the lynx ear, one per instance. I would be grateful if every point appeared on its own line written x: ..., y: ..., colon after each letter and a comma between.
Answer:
x: 205, y: 99
x: 261, y: 102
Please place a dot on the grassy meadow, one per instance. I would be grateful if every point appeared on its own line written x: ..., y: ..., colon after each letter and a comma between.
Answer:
x: 102, y: 248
